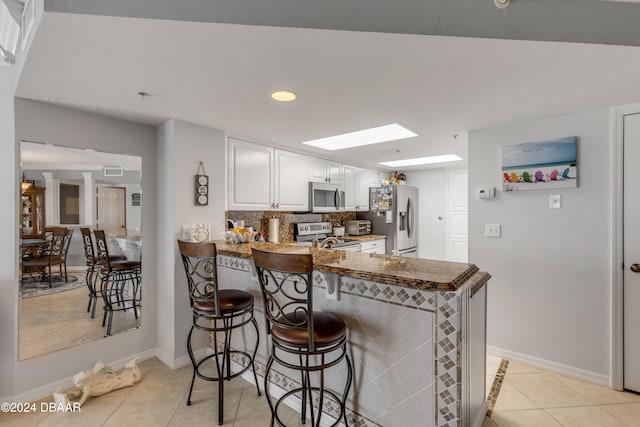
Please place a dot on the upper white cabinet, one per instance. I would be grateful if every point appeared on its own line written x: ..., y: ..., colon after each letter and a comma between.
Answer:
x: 263, y: 178
x: 251, y: 173
x: 356, y: 187
x: 291, y: 181
x: 323, y: 170
x: 350, y: 187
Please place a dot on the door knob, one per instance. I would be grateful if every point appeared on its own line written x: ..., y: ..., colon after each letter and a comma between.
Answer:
x: 635, y: 268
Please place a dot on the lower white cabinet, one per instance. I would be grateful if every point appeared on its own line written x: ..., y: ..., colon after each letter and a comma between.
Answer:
x: 373, y: 246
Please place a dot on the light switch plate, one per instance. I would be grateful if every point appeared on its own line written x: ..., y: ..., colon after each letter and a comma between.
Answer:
x: 555, y: 201
x: 492, y: 230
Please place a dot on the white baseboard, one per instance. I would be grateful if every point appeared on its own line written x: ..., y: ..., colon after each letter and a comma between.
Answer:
x: 180, y: 362
x: 549, y: 365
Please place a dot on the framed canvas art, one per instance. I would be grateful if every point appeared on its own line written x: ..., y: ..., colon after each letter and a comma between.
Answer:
x: 540, y: 165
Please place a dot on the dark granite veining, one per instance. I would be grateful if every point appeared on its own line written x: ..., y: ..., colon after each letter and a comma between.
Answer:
x: 259, y: 220
x: 409, y: 272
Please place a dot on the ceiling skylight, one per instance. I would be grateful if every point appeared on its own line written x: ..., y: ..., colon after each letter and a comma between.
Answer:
x: 375, y: 135
x: 422, y: 161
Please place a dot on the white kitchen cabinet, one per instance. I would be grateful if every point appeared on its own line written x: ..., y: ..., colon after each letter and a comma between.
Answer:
x: 251, y: 173
x: 373, y: 246
x: 365, y: 178
x: 356, y: 187
x: 263, y: 178
x: 291, y: 181
x: 349, y: 176
x: 323, y: 170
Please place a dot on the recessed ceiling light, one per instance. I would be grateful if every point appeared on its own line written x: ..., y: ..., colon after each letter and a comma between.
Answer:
x: 422, y: 161
x: 375, y: 135
x: 283, y: 95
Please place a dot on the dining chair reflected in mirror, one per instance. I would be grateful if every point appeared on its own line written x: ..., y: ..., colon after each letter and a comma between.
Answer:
x: 51, y: 255
x: 63, y: 253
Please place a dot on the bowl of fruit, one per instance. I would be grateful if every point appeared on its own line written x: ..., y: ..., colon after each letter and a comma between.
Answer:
x: 241, y: 234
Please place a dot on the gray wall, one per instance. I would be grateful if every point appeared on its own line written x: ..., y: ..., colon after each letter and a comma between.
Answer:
x: 181, y: 148
x: 558, y: 20
x: 549, y: 296
x: 48, y: 123
x: 9, y: 194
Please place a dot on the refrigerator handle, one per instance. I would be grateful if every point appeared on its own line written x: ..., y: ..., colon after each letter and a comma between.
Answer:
x: 409, y: 217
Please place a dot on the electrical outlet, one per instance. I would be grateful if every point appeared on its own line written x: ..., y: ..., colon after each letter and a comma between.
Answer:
x: 492, y: 230
x: 555, y: 201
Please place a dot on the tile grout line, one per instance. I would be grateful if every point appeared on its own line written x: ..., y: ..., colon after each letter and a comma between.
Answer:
x: 492, y: 398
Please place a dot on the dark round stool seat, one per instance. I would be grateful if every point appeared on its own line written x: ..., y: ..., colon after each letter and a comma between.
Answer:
x: 231, y: 300
x: 121, y: 265
x: 327, y: 329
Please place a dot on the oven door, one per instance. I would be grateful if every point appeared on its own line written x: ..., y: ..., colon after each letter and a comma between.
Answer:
x: 325, y: 198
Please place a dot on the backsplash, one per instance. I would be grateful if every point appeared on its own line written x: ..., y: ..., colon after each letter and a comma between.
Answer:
x: 259, y: 220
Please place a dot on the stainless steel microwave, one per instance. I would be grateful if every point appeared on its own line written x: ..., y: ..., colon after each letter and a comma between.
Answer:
x: 325, y: 197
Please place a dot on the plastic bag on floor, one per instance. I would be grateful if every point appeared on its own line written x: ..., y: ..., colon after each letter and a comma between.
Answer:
x: 101, y: 380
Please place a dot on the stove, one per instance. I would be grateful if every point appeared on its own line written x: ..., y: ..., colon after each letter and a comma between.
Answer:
x: 306, y: 232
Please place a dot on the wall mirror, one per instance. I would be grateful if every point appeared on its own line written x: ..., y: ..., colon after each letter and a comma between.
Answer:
x: 65, y: 188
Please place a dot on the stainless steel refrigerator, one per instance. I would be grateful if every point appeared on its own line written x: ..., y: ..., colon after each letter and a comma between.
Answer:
x: 393, y: 211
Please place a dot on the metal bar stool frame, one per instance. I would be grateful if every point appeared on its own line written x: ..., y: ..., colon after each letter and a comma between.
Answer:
x: 93, y: 270
x: 114, y: 276
x: 216, y: 311
x: 287, y: 289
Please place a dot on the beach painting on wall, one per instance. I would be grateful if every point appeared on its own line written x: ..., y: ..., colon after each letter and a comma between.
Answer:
x: 540, y: 165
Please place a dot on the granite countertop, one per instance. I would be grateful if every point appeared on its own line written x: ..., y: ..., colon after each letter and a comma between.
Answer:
x: 365, y: 237
x: 410, y: 272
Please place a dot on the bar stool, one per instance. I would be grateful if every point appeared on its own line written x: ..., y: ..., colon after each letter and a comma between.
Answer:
x: 218, y: 311
x: 120, y: 282
x: 93, y: 267
x: 317, y: 340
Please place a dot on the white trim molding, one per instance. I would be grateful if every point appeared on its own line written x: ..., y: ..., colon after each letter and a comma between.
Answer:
x: 548, y: 365
x: 617, y: 234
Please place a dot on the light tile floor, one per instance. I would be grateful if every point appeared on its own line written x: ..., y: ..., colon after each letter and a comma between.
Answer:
x: 58, y: 321
x: 528, y: 397
x: 536, y: 398
x: 159, y: 399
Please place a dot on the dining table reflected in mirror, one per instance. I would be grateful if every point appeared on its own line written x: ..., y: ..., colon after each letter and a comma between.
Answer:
x: 64, y: 190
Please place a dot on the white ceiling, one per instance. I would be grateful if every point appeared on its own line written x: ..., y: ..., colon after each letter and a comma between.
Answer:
x: 221, y: 76
x: 37, y: 156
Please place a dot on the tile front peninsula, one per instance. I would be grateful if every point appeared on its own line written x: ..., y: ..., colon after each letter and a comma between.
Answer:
x: 416, y: 332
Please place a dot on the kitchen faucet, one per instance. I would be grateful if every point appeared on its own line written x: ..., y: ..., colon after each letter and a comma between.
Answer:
x: 326, y: 242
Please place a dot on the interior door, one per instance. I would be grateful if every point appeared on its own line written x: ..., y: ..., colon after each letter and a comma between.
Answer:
x: 457, y: 246
x: 631, y: 253
x: 111, y: 211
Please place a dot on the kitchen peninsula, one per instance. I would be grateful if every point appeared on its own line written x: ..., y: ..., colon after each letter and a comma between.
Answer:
x: 416, y: 331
